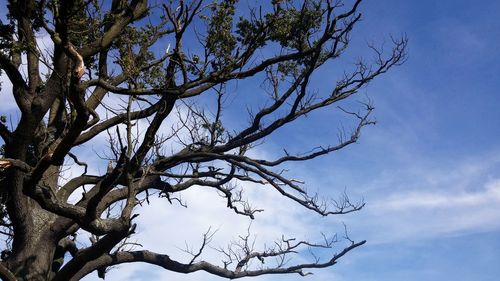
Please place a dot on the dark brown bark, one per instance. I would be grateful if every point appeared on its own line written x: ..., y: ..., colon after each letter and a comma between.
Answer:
x: 98, y: 53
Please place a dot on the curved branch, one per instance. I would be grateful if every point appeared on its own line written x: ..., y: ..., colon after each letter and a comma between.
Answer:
x: 87, y: 255
x: 166, y: 262
x: 135, y: 11
x: 19, y: 84
x: 12, y: 72
x: 65, y: 191
x: 104, y: 125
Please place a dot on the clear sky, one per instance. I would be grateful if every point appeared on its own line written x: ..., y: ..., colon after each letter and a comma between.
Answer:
x: 429, y: 170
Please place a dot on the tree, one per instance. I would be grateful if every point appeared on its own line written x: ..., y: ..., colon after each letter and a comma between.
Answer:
x: 156, y: 62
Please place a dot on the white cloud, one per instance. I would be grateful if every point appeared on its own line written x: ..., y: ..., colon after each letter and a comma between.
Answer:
x: 8, y: 102
x: 442, y: 200
x: 166, y: 228
x: 417, y: 198
x: 429, y: 202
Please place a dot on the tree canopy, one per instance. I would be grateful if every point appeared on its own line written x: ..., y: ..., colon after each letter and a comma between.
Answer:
x: 149, y: 83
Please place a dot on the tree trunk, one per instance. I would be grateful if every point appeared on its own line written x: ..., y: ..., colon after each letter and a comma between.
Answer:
x: 34, y: 244
x: 33, y: 260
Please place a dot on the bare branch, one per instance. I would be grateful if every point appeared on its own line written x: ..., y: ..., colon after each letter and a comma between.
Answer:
x: 166, y: 262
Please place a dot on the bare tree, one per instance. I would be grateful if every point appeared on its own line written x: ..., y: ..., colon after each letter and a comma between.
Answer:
x: 115, y: 65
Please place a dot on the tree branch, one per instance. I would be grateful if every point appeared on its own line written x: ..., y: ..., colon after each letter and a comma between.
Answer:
x: 166, y: 262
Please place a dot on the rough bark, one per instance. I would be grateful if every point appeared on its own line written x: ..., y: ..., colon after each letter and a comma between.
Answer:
x: 110, y: 50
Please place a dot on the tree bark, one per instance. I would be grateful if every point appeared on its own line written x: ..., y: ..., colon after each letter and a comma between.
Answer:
x: 34, y: 244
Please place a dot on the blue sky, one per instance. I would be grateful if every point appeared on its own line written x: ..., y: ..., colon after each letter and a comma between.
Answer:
x: 435, y: 148
x: 429, y: 170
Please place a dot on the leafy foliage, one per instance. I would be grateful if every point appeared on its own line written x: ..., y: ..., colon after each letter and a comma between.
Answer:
x: 121, y: 71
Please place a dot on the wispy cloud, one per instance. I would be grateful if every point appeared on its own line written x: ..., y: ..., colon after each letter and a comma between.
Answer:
x: 442, y: 200
x: 426, y: 202
x: 168, y: 229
